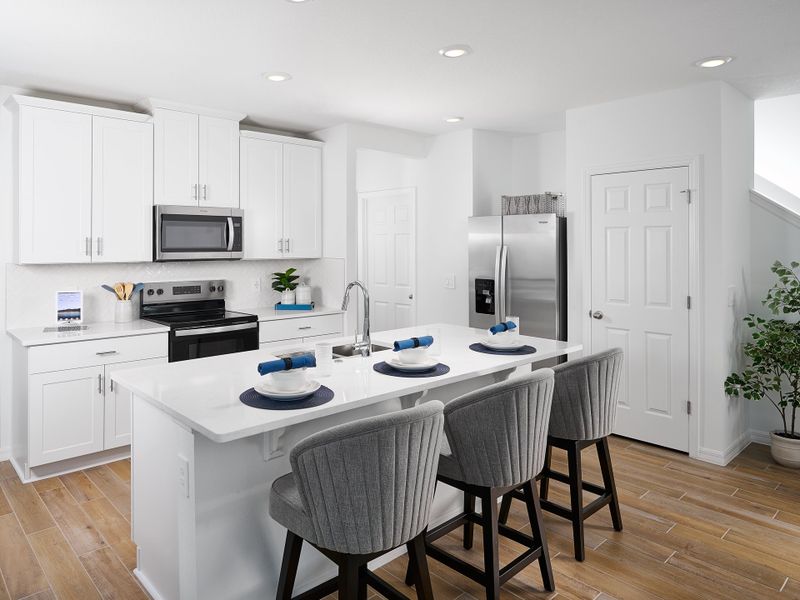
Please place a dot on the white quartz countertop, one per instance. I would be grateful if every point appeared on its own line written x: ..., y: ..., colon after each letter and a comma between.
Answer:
x: 270, y: 314
x: 203, y: 394
x: 36, y: 336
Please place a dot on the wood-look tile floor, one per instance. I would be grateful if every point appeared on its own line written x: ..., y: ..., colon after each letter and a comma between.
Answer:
x: 692, y: 530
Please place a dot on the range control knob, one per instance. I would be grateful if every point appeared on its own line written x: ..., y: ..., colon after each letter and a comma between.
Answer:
x: 212, y: 289
x: 220, y: 288
x: 159, y: 291
x: 150, y: 292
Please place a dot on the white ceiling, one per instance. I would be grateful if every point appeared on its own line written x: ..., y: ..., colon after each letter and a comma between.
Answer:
x: 377, y: 61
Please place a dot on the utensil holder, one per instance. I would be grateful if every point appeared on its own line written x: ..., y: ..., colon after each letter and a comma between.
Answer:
x: 123, y: 311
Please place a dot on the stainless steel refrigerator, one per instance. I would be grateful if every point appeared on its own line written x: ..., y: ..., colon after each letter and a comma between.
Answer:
x: 518, y: 267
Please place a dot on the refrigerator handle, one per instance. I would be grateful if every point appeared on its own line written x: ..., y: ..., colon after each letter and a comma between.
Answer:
x: 498, y: 285
x: 503, y: 282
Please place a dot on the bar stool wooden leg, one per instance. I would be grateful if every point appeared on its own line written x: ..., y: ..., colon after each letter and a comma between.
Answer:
x: 537, y: 528
x: 544, y: 487
x: 604, y: 454
x: 576, y: 498
x: 469, y: 526
x: 291, y: 558
x: 422, y: 577
x: 491, y: 549
x: 505, y: 508
x: 349, y: 585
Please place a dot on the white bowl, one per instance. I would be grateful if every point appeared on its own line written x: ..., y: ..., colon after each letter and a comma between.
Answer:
x: 413, y: 356
x: 289, y: 381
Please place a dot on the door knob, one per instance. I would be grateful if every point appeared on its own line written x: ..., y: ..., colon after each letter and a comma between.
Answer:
x: 411, y: 296
x: 597, y: 314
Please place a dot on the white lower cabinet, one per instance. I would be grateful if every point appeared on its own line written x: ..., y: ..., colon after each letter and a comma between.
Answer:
x: 65, y: 405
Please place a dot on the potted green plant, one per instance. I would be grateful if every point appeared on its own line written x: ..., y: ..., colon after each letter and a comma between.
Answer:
x: 284, y: 284
x: 773, y: 354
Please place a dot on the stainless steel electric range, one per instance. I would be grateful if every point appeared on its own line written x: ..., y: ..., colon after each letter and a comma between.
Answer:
x: 199, y: 323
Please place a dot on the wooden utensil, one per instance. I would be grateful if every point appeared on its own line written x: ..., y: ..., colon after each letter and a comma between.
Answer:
x: 128, y: 291
x: 120, y: 290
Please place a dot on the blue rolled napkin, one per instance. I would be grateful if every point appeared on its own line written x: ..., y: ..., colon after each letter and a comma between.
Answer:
x: 286, y: 364
x: 415, y: 342
x: 501, y: 327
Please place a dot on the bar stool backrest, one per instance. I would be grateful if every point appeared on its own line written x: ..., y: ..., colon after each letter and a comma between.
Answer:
x: 585, y: 397
x: 368, y: 485
x: 498, y: 434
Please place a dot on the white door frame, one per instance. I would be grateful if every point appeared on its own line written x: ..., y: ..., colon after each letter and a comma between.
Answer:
x: 696, y: 340
x: 363, y: 198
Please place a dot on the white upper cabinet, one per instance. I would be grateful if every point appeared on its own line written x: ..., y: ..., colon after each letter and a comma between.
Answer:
x: 219, y: 162
x: 196, y: 155
x: 176, y: 168
x: 261, y: 197
x: 55, y: 186
x: 302, y: 201
x: 84, y: 183
x: 281, y: 194
x: 122, y: 190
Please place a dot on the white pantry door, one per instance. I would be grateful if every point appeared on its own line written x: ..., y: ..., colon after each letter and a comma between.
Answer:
x: 640, y: 286
x: 391, y: 257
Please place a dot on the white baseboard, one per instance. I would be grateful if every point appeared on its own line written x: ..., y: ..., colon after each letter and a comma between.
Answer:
x: 722, y: 458
x: 760, y: 437
x: 5, y: 454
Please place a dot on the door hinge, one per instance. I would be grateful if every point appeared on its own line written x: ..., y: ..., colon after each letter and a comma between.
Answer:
x: 688, y: 407
x: 688, y: 302
x: 688, y: 195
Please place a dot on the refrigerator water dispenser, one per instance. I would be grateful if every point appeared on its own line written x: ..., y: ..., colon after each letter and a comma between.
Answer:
x: 484, y: 296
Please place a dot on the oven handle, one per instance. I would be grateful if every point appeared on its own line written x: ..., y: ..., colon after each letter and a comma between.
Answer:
x: 231, y: 234
x: 210, y: 330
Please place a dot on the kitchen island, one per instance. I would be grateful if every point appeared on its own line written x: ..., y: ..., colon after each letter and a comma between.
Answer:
x: 203, y: 462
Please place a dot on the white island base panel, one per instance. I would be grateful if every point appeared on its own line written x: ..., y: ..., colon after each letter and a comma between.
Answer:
x: 200, y: 507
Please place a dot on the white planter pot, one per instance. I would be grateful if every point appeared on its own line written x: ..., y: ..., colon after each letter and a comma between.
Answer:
x: 287, y: 297
x: 785, y: 451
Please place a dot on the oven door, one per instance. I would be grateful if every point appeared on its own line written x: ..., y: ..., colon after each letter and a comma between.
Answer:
x: 200, y: 342
x: 197, y: 233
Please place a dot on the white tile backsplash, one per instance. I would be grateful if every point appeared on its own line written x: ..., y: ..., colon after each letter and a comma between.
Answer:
x: 30, y: 292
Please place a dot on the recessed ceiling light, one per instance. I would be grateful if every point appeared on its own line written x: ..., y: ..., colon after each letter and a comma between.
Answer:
x: 713, y: 61
x: 453, y: 119
x: 277, y: 76
x: 456, y: 51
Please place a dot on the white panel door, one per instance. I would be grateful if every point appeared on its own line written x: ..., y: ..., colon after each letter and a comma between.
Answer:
x: 640, y: 285
x: 218, y: 162
x: 302, y: 201
x: 117, y: 414
x: 391, y: 257
x: 55, y: 186
x: 65, y: 411
x: 122, y: 190
x: 261, y: 197
x: 176, y: 148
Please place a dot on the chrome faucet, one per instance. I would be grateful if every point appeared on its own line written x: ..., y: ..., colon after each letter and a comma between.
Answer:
x: 365, y: 347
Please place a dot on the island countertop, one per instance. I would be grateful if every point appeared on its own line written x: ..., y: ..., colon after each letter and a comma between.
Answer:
x: 203, y: 394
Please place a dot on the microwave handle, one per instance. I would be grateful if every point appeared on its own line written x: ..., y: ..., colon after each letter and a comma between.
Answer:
x: 231, y: 234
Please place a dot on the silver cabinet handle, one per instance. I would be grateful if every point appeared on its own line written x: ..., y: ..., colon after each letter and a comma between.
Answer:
x: 287, y: 244
x: 194, y: 193
x: 87, y: 247
x: 205, y: 192
x: 598, y: 314
x: 99, y: 384
x: 99, y: 246
x: 107, y: 353
x: 280, y: 245
x: 306, y: 327
x: 111, y: 385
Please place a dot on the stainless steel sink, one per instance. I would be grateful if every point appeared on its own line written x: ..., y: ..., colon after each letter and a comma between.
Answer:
x: 348, y: 350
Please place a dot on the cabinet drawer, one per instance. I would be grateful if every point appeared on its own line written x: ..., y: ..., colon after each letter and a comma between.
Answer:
x: 301, y: 327
x: 73, y: 355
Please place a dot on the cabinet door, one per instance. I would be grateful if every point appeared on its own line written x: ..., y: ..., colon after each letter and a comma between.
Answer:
x: 65, y: 412
x: 175, y: 166
x: 219, y: 162
x: 302, y: 201
x: 55, y: 186
x: 261, y: 197
x: 118, y: 404
x: 122, y: 190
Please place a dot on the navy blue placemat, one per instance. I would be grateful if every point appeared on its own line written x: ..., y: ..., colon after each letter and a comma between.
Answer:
x: 518, y: 352
x: 385, y: 369
x: 256, y: 400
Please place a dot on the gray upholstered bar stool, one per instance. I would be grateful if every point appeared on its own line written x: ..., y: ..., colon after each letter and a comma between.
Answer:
x: 357, y: 491
x: 496, y: 443
x: 584, y: 409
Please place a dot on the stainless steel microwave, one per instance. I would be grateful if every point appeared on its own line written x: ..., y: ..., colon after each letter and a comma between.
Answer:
x: 197, y: 233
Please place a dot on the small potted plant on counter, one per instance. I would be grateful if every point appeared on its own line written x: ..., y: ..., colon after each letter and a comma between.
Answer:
x: 774, y: 363
x: 284, y: 284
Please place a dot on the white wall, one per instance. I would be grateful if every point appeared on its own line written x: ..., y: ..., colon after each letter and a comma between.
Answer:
x: 539, y: 163
x: 492, y: 164
x: 777, y: 141
x: 377, y: 170
x: 689, y: 122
